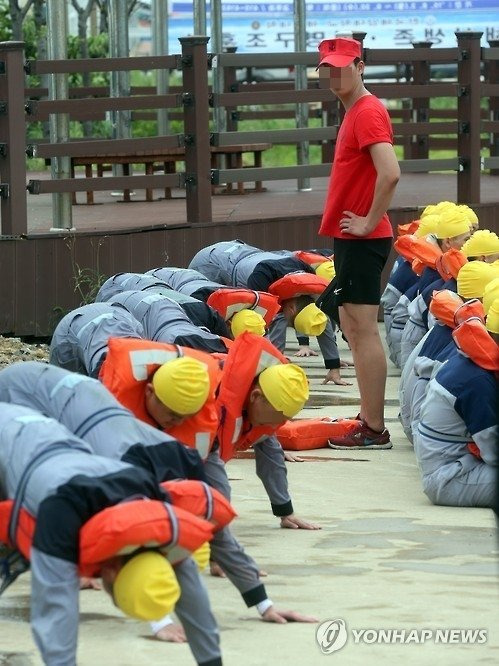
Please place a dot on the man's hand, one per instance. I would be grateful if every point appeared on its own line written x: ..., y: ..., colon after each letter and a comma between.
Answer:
x: 290, y: 457
x: 334, y: 376
x: 353, y: 224
x: 285, y: 616
x: 347, y: 364
x: 87, y: 583
x: 292, y: 522
x: 304, y: 351
x: 172, y: 633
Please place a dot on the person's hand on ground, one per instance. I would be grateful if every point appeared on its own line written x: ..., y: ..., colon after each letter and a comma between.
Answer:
x: 272, y: 614
x: 290, y: 457
x: 172, y: 633
x: 292, y: 522
x: 334, y: 376
x: 304, y: 351
x: 87, y: 583
x: 346, y: 364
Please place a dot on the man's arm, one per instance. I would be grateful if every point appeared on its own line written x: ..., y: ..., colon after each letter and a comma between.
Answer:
x: 271, y: 470
x: 388, y: 175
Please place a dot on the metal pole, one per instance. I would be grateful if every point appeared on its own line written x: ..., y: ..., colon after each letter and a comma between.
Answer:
x: 57, y: 33
x: 118, y: 48
x: 219, y: 115
x: 301, y: 113
x: 200, y: 17
x: 160, y: 47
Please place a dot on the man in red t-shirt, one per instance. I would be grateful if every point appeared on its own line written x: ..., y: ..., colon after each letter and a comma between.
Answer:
x: 363, y: 179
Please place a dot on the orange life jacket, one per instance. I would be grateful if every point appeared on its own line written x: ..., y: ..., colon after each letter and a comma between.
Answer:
x: 306, y: 434
x: 474, y: 340
x: 313, y: 259
x: 248, y: 357
x: 120, y: 530
x: 417, y: 266
x: 202, y: 500
x: 410, y: 228
x: 129, y: 365
x: 444, y: 305
x: 298, y: 284
x: 471, y: 309
x: 229, y: 301
x: 404, y: 246
x: 426, y: 252
x: 449, y: 263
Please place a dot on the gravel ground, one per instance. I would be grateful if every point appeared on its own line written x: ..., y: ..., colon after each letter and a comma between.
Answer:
x: 14, y: 349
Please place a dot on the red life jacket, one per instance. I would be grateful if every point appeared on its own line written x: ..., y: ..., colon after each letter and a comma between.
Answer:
x: 427, y: 253
x: 408, y: 229
x: 306, y: 434
x: 444, y: 305
x: 127, y: 368
x: 404, y: 246
x: 450, y: 263
x: 473, y: 339
x: 229, y: 301
x: 202, y: 500
x: 313, y: 259
x: 120, y: 530
x: 248, y: 357
x: 298, y: 284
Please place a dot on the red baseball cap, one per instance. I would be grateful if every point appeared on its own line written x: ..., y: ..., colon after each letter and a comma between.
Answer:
x: 339, y: 52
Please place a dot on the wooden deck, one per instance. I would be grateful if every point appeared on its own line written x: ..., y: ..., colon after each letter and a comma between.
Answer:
x: 281, y: 201
x: 47, y: 273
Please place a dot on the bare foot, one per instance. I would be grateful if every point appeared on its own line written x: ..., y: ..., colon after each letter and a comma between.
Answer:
x: 87, y: 583
x: 216, y: 570
x: 172, y: 633
x: 290, y: 457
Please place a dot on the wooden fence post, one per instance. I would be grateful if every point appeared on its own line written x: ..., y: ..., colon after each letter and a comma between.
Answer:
x: 196, y: 128
x: 420, y: 106
x: 468, y: 117
x: 13, y: 207
x: 492, y: 76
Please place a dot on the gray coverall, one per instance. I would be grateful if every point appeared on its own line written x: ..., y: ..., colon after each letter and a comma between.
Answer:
x: 58, y: 480
x: 125, y: 282
x: 164, y: 320
x: 187, y: 281
x: 79, y: 342
x: 233, y: 263
x: 89, y: 410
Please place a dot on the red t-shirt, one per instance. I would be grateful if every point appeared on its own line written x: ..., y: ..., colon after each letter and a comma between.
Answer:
x: 353, y: 176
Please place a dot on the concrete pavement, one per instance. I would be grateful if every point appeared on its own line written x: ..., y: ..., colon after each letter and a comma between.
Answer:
x: 384, y: 559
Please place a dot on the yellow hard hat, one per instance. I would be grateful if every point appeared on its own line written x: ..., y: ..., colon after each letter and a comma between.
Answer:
x: 428, y: 225
x: 453, y: 222
x: 473, y: 278
x: 202, y: 556
x: 470, y: 214
x: 326, y: 270
x: 443, y: 205
x: 247, y: 320
x: 492, y: 321
x: 429, y: 210
x: 310, y: 320
x: 490, y: 293
x: 482, y: 243
x: 286, y: 388
x: 182, y: 385
x: 146, y: 587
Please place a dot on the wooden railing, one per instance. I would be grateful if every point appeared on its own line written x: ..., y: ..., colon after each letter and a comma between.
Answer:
x: 467, y: 130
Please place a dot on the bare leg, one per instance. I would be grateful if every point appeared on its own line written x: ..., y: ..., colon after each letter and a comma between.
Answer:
x: 360, y: 326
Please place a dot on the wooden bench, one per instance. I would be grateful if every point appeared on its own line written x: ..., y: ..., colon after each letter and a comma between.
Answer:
x: 166, y: 160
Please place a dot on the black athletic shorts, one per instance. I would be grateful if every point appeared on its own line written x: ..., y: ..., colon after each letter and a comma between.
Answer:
x: 358, y: 265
